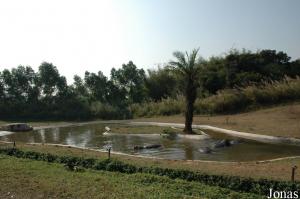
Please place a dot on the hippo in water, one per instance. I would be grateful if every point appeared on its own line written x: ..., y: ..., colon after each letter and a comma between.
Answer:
x: 205, y: 150
x: 233, y: 142
x: 222, y: 143
x: 152, y: 146
x: 225, y: 143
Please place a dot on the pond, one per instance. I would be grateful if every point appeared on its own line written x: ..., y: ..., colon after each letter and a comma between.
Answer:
x: 123, y: 138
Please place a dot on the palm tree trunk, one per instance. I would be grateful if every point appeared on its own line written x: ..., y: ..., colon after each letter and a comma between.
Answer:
x: 190, y: 95
x: 188, y: 117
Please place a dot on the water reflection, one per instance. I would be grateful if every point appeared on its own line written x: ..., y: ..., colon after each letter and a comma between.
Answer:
x: 42, y: 134
x: 91, y: 136
x: 55, y: 133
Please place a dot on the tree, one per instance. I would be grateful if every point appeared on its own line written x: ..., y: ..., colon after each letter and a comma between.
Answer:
x: 132, y: 80
x: 188, y: 67
x: 97, y: 85
x: 212, y: 76
x: 1, y: 87
x: 78, y: 86
x: 295, y: 68
x: 50, y: 80
x: 160, y: 84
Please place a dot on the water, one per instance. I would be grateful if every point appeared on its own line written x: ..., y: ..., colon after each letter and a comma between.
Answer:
x: 123, y: 138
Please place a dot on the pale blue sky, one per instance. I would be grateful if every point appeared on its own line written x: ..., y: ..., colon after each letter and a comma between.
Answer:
x: 98, y: 35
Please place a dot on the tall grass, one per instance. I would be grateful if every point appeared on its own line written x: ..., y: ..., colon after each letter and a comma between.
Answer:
x: 106, y: 111
x: 167, y: 106
x: 228, y: 100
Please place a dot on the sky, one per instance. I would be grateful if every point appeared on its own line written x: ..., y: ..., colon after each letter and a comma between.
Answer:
x: 96, y: 35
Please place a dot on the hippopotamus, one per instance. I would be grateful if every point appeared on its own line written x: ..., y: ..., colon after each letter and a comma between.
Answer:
x: 232, y: 142
x: 205, y: 150
x: 152, y: 146
x: 222, y: 143
x: 225, y: 143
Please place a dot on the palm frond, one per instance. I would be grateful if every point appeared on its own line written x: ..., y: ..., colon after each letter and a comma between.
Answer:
x: 186, y: 63
x: 193, y: 58
x: 180, y: 57
x: 177, y: 66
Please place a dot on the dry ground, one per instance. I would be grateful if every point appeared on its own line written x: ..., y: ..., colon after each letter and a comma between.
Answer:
x: 278, y: 121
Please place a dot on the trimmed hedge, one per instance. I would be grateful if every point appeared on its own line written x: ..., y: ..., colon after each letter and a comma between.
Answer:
x: 235, y: 183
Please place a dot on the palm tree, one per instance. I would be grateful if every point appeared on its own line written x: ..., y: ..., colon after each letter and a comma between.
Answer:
x: 188, y: 67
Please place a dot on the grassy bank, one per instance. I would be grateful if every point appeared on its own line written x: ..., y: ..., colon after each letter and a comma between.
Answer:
x: 77, y: 164
x: 23, y: 178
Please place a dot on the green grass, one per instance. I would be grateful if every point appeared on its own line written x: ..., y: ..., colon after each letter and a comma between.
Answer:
x: 23, y: 178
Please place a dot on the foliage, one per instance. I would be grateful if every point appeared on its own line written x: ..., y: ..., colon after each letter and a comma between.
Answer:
x: 228, y: 100
x: 237, y: 81
x: 160, y: 84
x: 130, y: 79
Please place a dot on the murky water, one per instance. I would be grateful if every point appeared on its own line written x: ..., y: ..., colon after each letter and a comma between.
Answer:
x: 91, y: 136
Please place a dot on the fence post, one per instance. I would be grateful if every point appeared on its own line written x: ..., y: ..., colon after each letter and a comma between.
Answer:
x: 293, y: 173
x: 109, y: 153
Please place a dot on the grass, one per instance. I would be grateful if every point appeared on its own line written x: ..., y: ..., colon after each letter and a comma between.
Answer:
x: 278, y: 170
x: 23, y: 178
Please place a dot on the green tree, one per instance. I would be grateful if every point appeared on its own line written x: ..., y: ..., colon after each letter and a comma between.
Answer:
x: 50, y: 81
x: 116, y: 96
x: 187, y: 66
x: 1, y: 87
x: 295, y: 68
x: 131, y: 79
x: 79, y: 86
x: 97, y: 85
x: 160, y: 84
x: 213, y: 76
